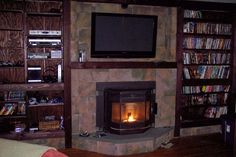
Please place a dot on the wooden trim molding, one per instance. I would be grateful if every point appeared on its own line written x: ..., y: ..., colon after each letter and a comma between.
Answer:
x: 122, y: 65
x: 170, y: 3
x: 67, y: 75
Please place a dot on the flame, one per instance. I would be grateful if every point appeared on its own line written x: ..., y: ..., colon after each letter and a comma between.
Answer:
x: 130, y: 118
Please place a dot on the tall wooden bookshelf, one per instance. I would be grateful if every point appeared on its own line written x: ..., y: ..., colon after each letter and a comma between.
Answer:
x: 205, y: 67
x: 25, y: 45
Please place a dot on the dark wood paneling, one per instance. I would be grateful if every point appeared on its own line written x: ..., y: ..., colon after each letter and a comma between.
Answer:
x: 11, y: 5
x: 12, y: 75
x: 11, y: 39
x: 44, y: 23
x: 170, y: 3
x: 125, y: 3
x: 67, y: 74
x: 10, y: 20
x: 44, y: 6
x: 115, y: 65
x: 14, y: 55
x: 38, y: 113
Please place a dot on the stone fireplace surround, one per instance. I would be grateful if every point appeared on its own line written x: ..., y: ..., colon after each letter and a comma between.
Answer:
x: 84, y: 110
x: 84, y: 80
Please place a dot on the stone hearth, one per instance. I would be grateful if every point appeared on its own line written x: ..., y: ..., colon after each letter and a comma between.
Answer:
x: 113, y: 144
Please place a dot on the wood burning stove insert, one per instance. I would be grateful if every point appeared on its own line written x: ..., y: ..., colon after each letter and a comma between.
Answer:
x: 126, y: 107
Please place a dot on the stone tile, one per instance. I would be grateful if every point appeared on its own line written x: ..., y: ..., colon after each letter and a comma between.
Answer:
x: 104, y: 7
x: 82, y: 75
x: 75, y: 123
x: 100, y: 75
x: 82, y: 20
x: 128, y: 10
x: 163, y: 139
x: 87, y: 122
x: 81, y: 7
x: 143, y: 74
x: 134, y: 148
x: 121, y: 75
x: 200, y: 130
x: 84, y: 143
x: 150, y: 75
x: 105, y: 148
x: 85, y: 35
x: 87, y: 89
x: 143, y: 10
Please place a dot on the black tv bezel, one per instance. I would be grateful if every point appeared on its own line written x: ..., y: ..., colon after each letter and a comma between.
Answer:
x: 122, y: 54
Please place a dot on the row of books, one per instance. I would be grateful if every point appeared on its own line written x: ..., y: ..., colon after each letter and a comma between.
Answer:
x: 207, y: 28
x: 14, y: 95
x: 206, y: 43
x: 213, y: 99
x: 13, y: 109
x: 191, y: 57
x: 215, y: 112
x: 193, y: 14
x: 206, y: 72
x: 205, y: 89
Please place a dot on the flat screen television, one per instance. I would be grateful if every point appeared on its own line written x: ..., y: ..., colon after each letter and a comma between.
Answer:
x: 123, y: 35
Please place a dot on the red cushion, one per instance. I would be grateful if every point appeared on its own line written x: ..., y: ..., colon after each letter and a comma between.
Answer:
x: 53, y: 153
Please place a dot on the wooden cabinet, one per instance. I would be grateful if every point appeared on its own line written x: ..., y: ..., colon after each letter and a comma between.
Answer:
x: 205, y: 65
x: 31, y: 62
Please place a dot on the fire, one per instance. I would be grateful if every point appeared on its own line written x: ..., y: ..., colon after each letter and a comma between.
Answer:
x: 130, y: 118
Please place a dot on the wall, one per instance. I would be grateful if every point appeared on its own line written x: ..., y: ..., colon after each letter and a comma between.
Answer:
x: 84, y: 80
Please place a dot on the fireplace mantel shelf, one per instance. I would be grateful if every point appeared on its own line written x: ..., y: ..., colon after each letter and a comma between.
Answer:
x: 120, y: 65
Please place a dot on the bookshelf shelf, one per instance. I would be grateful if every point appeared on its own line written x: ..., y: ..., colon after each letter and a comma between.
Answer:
x: 13, y: 117
x: 200, y: 122
x: 204, y: 79
x: 206, y: 35
x: 32, y: 86
x: 204, y: 105
x: 206, y: 82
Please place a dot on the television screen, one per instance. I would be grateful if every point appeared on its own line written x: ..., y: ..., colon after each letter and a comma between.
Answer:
x: 123, y: 35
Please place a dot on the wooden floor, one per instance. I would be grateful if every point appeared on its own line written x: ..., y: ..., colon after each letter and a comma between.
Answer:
x: 194, y: 146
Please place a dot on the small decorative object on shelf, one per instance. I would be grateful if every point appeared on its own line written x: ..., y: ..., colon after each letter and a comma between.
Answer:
x: 62, y: 123
x: 82, y: 55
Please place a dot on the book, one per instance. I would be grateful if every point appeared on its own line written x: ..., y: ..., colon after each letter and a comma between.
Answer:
x: 8, y: 109
x: 186, y: 73
x: 210, y: 112
x: 201, y: 70
x: 21, y: 108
